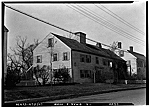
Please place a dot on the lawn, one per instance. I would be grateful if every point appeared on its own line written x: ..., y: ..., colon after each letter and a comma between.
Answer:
x: 48, y: 91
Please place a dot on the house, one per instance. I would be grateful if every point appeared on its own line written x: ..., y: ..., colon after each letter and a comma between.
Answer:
x: 86, y: 63
x: 4, y: 49
x: 136, y: 62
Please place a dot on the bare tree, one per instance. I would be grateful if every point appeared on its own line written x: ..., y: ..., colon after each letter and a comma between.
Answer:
x: 23, y: 54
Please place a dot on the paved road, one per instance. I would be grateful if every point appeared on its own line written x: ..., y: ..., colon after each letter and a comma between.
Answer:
x: 137, y: 97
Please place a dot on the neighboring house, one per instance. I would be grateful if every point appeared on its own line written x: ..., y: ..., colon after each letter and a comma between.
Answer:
x: 4, y: 49
x: 136, y: 63
x: 86, y: 63
x: 140, y: 64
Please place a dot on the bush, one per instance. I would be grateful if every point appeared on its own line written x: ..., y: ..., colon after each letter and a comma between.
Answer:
x: 62, y: 75
x: 12, y: 77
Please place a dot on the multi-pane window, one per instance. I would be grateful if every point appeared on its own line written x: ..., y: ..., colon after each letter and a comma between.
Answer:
x: 85, y: 58
x: 66, y: 56
x: 105, y: 62
x: 97, y: 61
x: 81, y: 73
x: 82, y: 58
x: 39, y: 59
x: 88, y: 58
x: 55, y: 57
x: 50, y: 42
x: 85, y: 73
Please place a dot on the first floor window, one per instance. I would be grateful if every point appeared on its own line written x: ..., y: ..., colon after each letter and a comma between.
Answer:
x: 81, y: 74
x: 39, y: 59
x: 85, y: 73
x: 55, y: 57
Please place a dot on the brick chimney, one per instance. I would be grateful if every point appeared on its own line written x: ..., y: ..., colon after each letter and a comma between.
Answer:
x: 119, y: 45
x: 99, y: 45
x: 131, y: 48
x: 81, y: 37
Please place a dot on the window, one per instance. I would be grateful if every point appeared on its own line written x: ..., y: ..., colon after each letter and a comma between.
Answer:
x: 85, y: 58
x: 88, y: 58
x: 82, y: 58
x: 66, y: 56
x: 39, y: 59
x: 81, y: 74
x: 55, y: 57
x: 85, y: 73
x: 50, y: 42
x: 97, y: 61
x: 105, y: 62
x: 110, y: 63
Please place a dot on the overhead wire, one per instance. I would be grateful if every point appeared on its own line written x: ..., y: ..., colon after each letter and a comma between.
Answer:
x: 119, y: 18
x: 87, y: 15
x: 56, y: 26
x: 100, y: 18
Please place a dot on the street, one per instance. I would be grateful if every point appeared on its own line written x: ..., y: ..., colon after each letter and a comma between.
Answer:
x: 137, y: 97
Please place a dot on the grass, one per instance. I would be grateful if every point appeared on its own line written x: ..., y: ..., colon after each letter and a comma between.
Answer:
x: 43, y: 91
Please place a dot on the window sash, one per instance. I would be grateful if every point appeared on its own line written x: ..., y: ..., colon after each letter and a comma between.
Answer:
x: 50, y: 42
x: 82, y: 58
x: 85, y: 74
x: 97, y: 61
x: 39, y: 59
x: 55, y: 58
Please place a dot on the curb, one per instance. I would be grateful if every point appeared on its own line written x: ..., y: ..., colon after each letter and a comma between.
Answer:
x: 43, y: 99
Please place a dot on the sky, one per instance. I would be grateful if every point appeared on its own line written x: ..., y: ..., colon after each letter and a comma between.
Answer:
x: 63, y: 16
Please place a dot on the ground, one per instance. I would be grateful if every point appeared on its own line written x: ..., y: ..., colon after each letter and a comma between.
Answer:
x: 136, y: 97
x: 77, y: 90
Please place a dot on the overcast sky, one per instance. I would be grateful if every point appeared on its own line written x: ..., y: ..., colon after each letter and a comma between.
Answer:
x: 67, y: 18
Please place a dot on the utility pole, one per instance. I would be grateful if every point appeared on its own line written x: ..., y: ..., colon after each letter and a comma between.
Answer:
x: 51, y: 57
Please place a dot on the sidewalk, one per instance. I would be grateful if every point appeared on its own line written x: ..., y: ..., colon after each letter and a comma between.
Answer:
x: 111, y: 88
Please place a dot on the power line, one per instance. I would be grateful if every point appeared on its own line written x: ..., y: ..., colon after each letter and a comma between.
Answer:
x: 85, y: 14
x: 108, y: 22
x: 119, y: 18
x: 55, y: 26
x: 38, y: 19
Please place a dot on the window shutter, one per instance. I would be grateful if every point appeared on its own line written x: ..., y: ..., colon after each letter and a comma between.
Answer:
x: 63, y: 56
x: 57, y: 56
x: 52, y: 57
x: 68, y: 54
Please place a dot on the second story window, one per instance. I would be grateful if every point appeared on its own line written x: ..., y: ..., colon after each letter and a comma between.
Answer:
x: 50, y: 42
x: 39, y: 59
x: 66, y: 56
x: 110, y: 63
x: 55, y: 57
x: 82, y: 58
x: 105, y: 62
x: 97, y: 61
x: 88, y: 58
